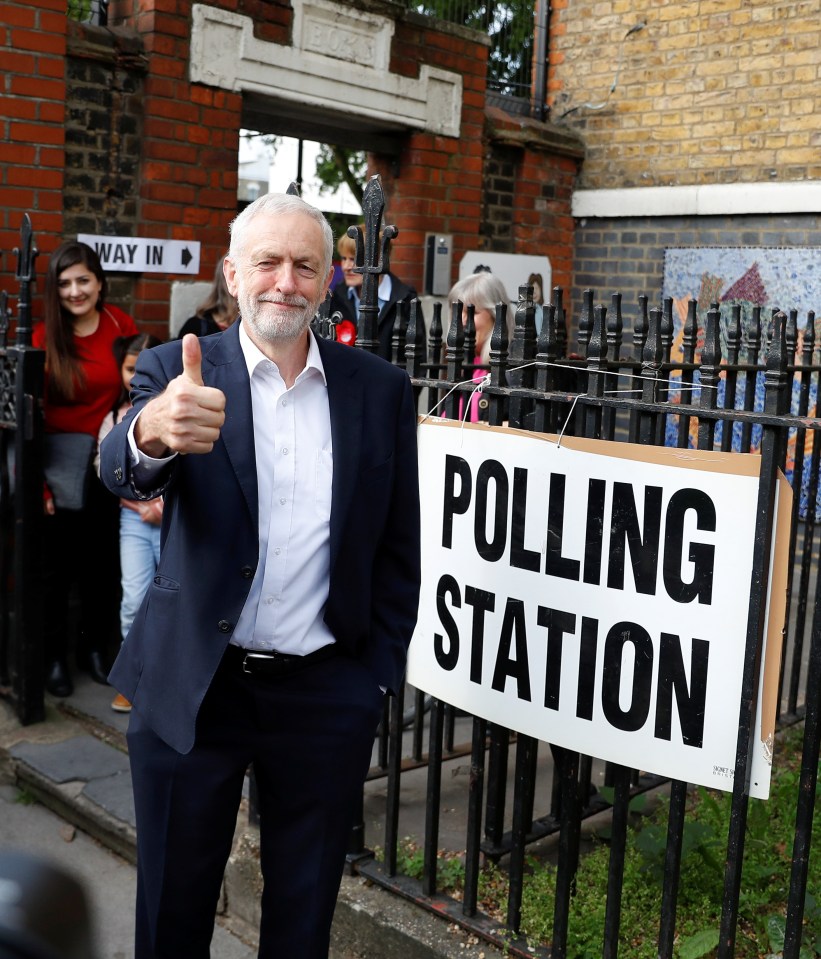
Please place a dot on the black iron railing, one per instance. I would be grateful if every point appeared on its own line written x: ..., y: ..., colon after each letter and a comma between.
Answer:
x: 21, y: 498
x: 750, y: 389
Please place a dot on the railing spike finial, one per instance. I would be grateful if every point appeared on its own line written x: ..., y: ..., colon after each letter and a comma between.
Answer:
x: 586, y: 321
x: 809, y: 338
x: 372, y: 260
x: 777, y: 355
x: 597, y: 348
x: 26, y: 254
x: 293, y: 189
x: 414, y: 341
x: 653, y: 350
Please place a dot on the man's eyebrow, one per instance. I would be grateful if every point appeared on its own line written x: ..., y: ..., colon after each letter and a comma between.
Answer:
x: 278, y: 255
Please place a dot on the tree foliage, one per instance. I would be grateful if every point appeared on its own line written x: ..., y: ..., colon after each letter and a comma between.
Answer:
x: 337, y: 165
x: 509, y: 25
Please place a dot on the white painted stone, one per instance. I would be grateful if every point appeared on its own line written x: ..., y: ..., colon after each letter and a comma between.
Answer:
x: 335, y: 49
x: 709, y: 200
x: 343, y: 33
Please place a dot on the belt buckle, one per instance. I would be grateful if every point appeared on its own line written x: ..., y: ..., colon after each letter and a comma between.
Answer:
x: 246, y: 664
x: 273, y: 657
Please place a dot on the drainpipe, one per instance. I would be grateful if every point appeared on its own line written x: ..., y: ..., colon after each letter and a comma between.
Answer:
x: 539, y: 104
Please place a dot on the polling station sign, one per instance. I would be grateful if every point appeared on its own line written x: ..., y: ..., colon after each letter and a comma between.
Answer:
x: 595, y: 595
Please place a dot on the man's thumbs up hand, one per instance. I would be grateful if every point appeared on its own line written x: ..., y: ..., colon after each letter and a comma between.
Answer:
x: 187, y: 417
x: 192, y: 359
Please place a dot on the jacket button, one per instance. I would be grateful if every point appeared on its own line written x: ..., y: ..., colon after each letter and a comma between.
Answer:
x: 224, y: 626
x: 247, y: 572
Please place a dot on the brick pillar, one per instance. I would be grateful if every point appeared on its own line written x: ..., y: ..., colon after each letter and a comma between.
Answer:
x: 501, y: 165
x: 32, y: 117
x: 188, y: 167
x: 541, y: 212
x: 437, y: 188
x: 544, y: 162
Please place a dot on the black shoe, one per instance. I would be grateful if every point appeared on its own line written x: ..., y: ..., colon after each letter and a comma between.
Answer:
x: 58, y: 682
x: 94, y: 665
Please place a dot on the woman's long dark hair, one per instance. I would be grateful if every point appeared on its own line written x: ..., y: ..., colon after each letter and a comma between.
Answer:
x: 219, y: 301
x: 65, y: 373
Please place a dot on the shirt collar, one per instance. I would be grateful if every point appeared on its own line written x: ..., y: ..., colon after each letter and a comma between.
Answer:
x: 383, y: 292
x: 254, y: 356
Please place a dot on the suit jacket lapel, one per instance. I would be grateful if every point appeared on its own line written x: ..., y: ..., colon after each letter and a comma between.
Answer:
x: 345, y: 399
x: 224, y: 368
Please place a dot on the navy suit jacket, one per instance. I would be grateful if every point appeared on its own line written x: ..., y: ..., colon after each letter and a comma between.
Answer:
x: 210, y: 534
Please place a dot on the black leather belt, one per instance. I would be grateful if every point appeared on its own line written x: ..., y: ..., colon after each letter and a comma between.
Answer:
x: 259, y: 663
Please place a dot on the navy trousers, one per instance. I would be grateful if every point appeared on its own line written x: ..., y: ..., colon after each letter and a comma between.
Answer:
x: 309, y: 735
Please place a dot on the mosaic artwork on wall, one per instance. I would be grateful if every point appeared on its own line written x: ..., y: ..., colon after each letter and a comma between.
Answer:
x: 768, y: 277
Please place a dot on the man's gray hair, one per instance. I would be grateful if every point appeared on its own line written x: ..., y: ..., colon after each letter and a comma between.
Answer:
x: 280, y: 203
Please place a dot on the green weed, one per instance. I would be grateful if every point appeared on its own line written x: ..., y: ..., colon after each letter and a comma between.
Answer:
x: 764, y: 887
x: 25, y: 797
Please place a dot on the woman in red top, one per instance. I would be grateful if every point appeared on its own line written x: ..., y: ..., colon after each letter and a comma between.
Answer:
x: 83, y: 384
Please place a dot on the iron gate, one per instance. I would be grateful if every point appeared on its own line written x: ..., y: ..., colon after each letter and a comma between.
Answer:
x: 707, y: 401
x: 21, y: 498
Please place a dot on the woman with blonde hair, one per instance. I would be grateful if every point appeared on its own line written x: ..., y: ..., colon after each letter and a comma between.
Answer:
x: 391, y: 293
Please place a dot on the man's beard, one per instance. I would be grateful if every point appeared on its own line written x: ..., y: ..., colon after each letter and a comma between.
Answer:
x: 270, y: 322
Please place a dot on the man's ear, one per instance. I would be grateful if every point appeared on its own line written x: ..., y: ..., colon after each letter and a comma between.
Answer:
x: 328, y: 279
x: 229, y: 271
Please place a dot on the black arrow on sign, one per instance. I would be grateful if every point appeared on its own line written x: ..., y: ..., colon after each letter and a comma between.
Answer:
x: 186, y: 256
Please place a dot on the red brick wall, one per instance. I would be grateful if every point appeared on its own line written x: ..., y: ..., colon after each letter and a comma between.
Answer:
x: 541, y: 212
x: 443, y: 183
x: 439, y: 184
x: 32, y: 114
x: 530, y: 172
x: 188, y: 183
x: 271, y: 18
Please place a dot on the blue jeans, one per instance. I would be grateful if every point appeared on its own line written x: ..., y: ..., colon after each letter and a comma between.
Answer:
x: 139, y: 556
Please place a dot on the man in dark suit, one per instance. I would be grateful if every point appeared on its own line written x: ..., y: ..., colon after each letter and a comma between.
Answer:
x: 393, y: 295
x: 285, y: 596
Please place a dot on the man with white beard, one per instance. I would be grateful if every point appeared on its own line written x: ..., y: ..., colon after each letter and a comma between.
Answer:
x: 285, y: 596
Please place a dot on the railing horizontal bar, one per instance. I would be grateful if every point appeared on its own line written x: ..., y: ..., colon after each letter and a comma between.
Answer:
x: 458, y: 752
x: 442, y: 905
x: 624, y: 402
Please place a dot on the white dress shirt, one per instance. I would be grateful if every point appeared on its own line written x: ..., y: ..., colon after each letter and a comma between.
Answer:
x: 292, y: 440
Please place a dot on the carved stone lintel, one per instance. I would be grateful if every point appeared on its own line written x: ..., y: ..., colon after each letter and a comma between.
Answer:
x: 335, y: 47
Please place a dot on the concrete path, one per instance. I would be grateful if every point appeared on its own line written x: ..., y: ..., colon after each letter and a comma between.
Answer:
x: 65, y: 794
x: 26, y: 825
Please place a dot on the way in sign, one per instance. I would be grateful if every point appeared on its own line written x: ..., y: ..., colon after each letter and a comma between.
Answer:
x: 144, y: 255
x: 111, y: 254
